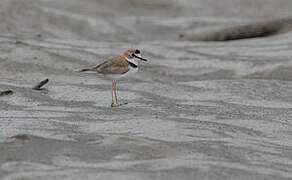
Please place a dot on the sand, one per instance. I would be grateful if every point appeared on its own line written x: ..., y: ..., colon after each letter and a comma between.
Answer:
x: 196, y: 110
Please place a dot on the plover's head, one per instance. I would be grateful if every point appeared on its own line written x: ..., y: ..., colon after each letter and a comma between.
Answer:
x: 134, y: 54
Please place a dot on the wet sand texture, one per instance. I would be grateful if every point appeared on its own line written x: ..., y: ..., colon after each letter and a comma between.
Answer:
x: 196, y: 110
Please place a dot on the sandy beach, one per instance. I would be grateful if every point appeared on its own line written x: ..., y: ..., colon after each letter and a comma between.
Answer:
x: 195, y: 110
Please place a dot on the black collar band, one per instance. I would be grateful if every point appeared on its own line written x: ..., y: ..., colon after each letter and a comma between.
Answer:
x: 133, y: 65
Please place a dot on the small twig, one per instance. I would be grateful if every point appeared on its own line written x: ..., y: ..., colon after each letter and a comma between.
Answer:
x: 6, y: 93
x: 39, y: 85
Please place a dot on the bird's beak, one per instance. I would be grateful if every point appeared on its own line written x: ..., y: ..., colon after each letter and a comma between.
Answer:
x: 139, y: 58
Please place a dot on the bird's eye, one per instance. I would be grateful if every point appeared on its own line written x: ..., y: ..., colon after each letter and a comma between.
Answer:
x: 137, y: 51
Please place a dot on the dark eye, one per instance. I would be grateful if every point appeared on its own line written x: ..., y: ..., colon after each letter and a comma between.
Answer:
x: 133, y: 54
x: 137, y: 51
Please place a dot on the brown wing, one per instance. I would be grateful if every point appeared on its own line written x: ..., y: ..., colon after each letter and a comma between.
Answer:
x: 115, y: 65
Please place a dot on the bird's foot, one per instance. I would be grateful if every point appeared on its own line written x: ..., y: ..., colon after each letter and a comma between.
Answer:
x: 118, y: 104
x: 115, y: 104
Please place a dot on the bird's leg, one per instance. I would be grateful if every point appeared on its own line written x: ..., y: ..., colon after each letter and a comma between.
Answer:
x: 115, y: 91
x: 112, y: 92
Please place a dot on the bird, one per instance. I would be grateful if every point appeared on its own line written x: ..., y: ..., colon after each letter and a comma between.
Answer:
x: 117, y: 68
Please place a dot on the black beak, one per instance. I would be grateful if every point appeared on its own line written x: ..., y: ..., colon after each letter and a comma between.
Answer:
x: 139, y: 57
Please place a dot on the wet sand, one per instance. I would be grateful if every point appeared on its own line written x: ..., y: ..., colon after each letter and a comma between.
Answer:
x: 196, y: 110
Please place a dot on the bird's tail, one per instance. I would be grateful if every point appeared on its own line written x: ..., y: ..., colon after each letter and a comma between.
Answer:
x: 84, y: 70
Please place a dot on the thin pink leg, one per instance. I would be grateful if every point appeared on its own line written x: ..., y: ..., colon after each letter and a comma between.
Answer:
x: 112, y: 92
x: 115, y: 91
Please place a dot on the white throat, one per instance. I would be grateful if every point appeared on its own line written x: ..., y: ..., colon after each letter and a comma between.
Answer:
x: 133, y: 60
